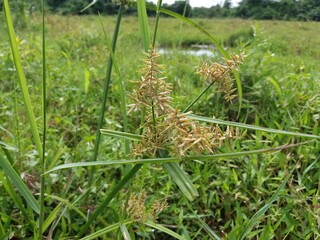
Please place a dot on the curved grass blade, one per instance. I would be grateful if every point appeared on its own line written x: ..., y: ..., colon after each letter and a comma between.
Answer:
x: 124, y: 135
x: 89, y: 5
x: 68, y: 204
x: 22, y: 78
x: 52, y: 216
x: 108, y: 229
x: 205, y: 226
x: 165, y: 230
x: 143, y: 21
x: 19, y: 184
x: 258, y: 215
x: 252, y: 127
x: 182, y: 180
x: 218, y: 156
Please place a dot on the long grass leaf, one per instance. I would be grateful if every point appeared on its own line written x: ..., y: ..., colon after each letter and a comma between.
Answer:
x: 252, y: 127
x: 44, y: 124
x: 22, y: 78
x: 143, y: 21
x: 14, y: 196
x: 165, y: 230
x: 258, y: 215
x: 182, y: 180
x: 19, y: 184
x: 217, y: 156
x: 106, y: 230
x: 118, y: 134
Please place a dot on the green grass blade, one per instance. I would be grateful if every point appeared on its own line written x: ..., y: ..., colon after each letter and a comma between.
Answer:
x: 106, y: 230
x: 125, y: 232
x: 19, y: 184
x: 68, y: 204
x: 44, y: 124
x: 143, y: 21
x: 205, y: 226
x: 182, y: 180
x: 22, y: 78
x: 252, y: 127
x: 52, y: 216
x: 156, y: 24
x: 115, y: 190
x: 218, y: 156
x: 258, y: 215
x: 123, y: 135
x: 17, y: 200
x: 122, y: 88
x: 165, y: 230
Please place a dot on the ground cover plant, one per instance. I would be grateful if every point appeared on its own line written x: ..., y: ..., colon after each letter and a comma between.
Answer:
x: 183, y: 176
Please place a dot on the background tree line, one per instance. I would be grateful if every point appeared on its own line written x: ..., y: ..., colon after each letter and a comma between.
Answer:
x: 254, y: 9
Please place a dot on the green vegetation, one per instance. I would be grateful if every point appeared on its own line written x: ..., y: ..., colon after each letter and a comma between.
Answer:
x: 261, y: 183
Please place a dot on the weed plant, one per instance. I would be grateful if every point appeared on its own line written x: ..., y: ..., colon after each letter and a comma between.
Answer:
x: 182, y: 176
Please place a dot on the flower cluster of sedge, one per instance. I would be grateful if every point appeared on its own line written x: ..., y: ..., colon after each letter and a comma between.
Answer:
x: 167, y: 131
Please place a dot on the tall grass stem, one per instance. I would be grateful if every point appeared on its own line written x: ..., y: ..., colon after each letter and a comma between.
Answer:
x: 44, y: 117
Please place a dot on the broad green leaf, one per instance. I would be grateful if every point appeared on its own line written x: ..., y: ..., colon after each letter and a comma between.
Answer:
x: 182, y: 180
x: 252, y: 127
x: 165, y: 230
x: 143, y: 21
x: 124, y: 135
x: 19, y: 184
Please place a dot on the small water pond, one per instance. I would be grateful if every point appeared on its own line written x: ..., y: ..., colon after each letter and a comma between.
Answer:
x: 194, y: 50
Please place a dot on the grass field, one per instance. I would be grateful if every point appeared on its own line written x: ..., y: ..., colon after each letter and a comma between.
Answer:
x: 252, y: 196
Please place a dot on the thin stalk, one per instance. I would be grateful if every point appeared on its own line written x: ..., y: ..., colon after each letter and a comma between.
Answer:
x: 44, y: 117
x: 116, y: 189
x: 198, y: 97
x: 181, y: 23
x: 157, y: 23
x: 105, y: 94
x: 122, y: 90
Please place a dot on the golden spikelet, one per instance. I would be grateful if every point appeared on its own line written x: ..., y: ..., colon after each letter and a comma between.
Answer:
x: 137, y: 208
x: 221, y: 74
